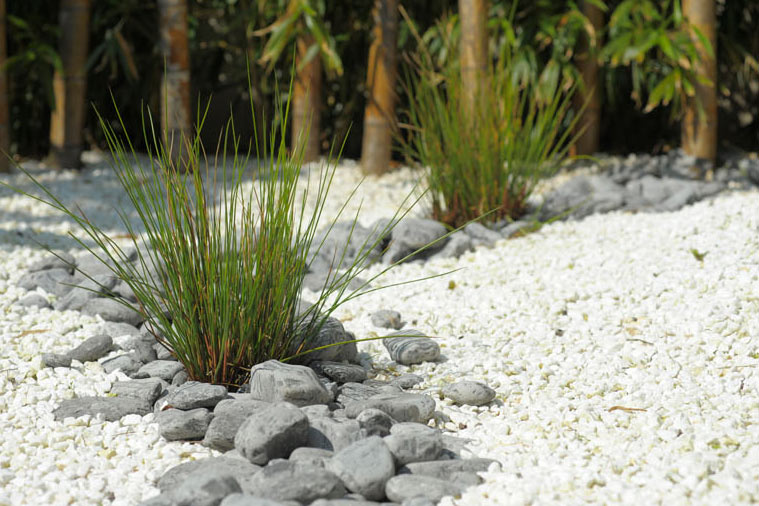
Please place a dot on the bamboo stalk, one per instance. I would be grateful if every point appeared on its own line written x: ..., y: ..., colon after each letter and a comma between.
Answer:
x: 306, y: 102
x: 588, y: 97
x: 4, y: 115
x: 473, y: 15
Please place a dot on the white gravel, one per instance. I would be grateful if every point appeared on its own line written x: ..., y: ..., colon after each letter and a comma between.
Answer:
x: 625, y: 368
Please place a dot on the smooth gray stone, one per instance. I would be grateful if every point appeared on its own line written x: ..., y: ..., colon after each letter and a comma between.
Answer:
x: 364, y: 467
x: 677, y: 200
x: 346, y: 240
x: 447, y: 469
x: 34, y: 299
x: 331, y: 434
x: 387, y: 319
x: 374, y: 422
x: 472, y: 393
x: 407, y: 486
x: 317, y: 411
x: 330, y: 332
x: 163, y: 352
x: 514, y: 228
x: 273, y: 432
x: 582, y: 195
x: 177, y: 424
x: 56, y: 360
x: 206, y: 489
x: 180, y: 378
x: 142, y: 349
x: 403, y: 407
x: 407, y: 380
x: 412, y: 234
x: 340, y: 372
x: 229, y: 415
x: 410, y: 428
x: 125, y: 363
x: 411, y: 350
x: 317, y: 457
x: 148, y: 389
x: 59, y: 260
x: 123, y: 290
x: 195, y: 394
x: 164, y: 369
x: 352, y: 392
x: 273, y: 381
x: 112, y: 408
x: 240, y: 469
x: 414, y: 447
x: 482, y: 234
x: 294, y: 481
x: 54, y: 281
x: 111, y: 310
x: 249, y: 500
x: 458, y: 243
x: 159, y: 500
x: 349, y: 501
x: 120, y: 329
x: 418, y: 501
x: 88, y: 263
x: 85, y: 291
x: 92, y: 349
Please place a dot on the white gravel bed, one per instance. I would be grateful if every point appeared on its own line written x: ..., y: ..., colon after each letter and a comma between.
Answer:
x: 626, y: 369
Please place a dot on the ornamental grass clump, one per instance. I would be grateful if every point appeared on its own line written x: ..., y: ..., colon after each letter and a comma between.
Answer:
x: 484, y: 158
x: 219, y: 269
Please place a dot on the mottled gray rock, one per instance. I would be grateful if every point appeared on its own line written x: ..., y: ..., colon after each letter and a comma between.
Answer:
x: 351, y: 392
x: 56, y: 360
x: 346, y: 240
x: 34, y: 299
x: 515, y: 228
x: 349, y: 500
x: 387, y: 319
x: 274, y: 381
x: 404, y: 487
x: 447, y: 469
x: 273, y: 432
x: 458, y: 243
x: 332, y: 434
x: 123, y: 290
x: 412, y: 428
x: 411, y: 350
x: 148, y: 389
x: 92, y: 349
x: 407, y: 380
x: 119, y: 329
x: 340, y: 372
x: 180, y: 378
x: 164, y: 369
x: 229, y: 415
x: 374, y: 422
x: 159, y: 500
x: 206, y: 489
x: 317, y: 457
x: 412, y: 234
x: 110, y: 309
x: 126, y: 363
x: 90, y: 264
x: 194, y: 394
x: 330, y: 332
x: 583, y: 195
x: 419, y: 500
x: 163, y: 352
x: 403, y: 407
x: 112, y: 408
x: 316, y: 411
x: 177, y: 425
x: 472, y: 393
x: 54, y: 281
x: 89, y: 289
x: 364, y: 467
x: 294, y: 481
x: 481, y: 234
x: 54, y: 260
x: 249, y: 500
x: 414, y: 447
x: 240, y: 469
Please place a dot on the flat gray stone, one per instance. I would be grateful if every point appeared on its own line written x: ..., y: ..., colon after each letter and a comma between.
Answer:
x: 56, y: 360
x: 316, y: 457
x: 111, y: 310
x: 206, y: 489
x: 458, y: 243
x: 414, y: 447
x: 120, y: 329
x: 229, y: 415
x: 34, y: 299
x: 349, y: 501
x: 294, y: 481
x: 411, y: 350
x: 412, y: 234
x: 472, y: 393
x: 59, y: 260
x: 164, y: 369
x: 448, y: 469
x: 374, y: 422
x: 402, y: 407
x: 515, y: 228
x: 273, y: 432
x: 387, y: 319
x: 273, y: 381
x: 178, y: 425
x: 248, y: 500
x: 194, y: 394
x: 408, y: 486
x: 364, y: 467
x: 54, y: 281
x: 92, y: 349
x: 78, y: 296
x: 112, y: 408
x: 317, y: 411
x: 147, y: 390
x: 352, y: 392
x: 482, y: 234
x: 159, y: 500
x: 125, y: 363
x: 142, y: 347
x: 163, y: 352
x: 407, y: 380
x: 330, y: 332
x: 180, y: 378
x: 332, y: 434
x: 340, y: 372
x: 90, y: 264
x: 240, y: 469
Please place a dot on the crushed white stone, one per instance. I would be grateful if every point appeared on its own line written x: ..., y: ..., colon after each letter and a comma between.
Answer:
x: 624, y: 367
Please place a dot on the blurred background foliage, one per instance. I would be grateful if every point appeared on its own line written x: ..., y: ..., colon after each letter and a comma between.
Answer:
x: 645, y: 55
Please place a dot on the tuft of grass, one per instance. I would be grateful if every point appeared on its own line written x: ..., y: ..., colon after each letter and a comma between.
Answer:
x: 219, y: 269
x: 487, y: 158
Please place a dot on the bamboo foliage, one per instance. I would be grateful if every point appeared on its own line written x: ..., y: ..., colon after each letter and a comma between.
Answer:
x: 699, y: 123
x: 70, y: 85
x: 376, y: 145
x: 4, y: 126
x: 175, y: 88
x: 588, y: 97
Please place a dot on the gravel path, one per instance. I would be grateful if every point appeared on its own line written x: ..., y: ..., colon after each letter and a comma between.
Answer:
x: 625, y: 367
